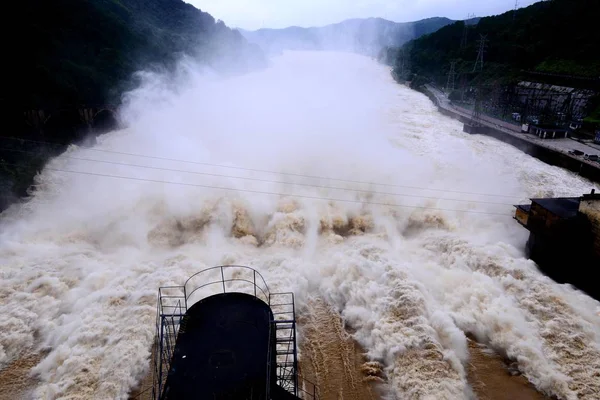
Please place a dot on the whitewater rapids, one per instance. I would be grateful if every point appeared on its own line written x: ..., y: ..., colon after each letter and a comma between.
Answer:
x: 375, y: 204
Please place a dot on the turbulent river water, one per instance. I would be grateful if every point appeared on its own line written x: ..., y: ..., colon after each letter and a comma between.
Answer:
x: 332, y: 181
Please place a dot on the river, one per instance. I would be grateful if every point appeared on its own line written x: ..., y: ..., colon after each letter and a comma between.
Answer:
x: 332, y: 181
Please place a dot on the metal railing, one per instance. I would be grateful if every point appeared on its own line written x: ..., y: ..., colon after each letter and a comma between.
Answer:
x: 229, y: 278
x: 174, y: 301
x: 168, y: 322
x: 286, y: 347
x: 286, y: 352
x: 307, y: 390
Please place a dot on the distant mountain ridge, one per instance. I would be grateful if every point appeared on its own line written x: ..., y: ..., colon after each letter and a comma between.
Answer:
x: 365, y: 36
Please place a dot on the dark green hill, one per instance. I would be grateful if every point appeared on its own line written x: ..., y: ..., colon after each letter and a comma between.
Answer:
x: 65, y: 53
x: 555, y: 36
x: 84, y: 51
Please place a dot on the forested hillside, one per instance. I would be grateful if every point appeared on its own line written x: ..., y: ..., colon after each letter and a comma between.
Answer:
x: 78, y: 51
x: 66, y: 53
x: 555, y: 36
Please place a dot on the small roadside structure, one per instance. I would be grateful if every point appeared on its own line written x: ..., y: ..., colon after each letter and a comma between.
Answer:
x: 549, y: 132
x: 576, y: 152
x: 575, y: 125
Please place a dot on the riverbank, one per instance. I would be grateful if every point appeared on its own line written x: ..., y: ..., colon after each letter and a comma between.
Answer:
x: 551, y: 151
x: 22, y: 158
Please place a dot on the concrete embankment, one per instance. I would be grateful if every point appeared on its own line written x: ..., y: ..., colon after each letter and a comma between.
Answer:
x: 525, y: 142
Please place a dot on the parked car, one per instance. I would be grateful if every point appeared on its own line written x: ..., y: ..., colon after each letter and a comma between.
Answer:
x: 575, y: 125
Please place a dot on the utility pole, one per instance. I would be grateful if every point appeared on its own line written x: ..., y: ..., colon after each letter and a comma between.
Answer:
x: 402, y: 62
x: 451, y: 75
x: 463, y: 86
x: 476, y: 116
x: 482, y: 45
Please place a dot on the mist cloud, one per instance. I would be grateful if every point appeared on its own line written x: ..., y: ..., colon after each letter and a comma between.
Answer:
x: 255, y: 14
x: 82, y: 260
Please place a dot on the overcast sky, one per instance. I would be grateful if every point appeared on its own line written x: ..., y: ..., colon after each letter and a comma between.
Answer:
x: 255, y: 14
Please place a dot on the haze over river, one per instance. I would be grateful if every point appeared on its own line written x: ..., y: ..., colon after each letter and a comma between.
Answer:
x: 342, y: 186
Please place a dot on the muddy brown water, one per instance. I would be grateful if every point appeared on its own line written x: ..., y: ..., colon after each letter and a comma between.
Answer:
x: 332, y: 360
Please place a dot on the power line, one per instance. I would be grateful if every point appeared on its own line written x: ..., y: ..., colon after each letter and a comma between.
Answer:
x: 266, y: 192
x: 269, y: 172
x: 267, y: 180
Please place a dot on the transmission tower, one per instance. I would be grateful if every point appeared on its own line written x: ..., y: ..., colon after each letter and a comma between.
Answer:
x: 451, y: 75
x: 515, y: 11
x: 465, y: 35
x: 482, y: 45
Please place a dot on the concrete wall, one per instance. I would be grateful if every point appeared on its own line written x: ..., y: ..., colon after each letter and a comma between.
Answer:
x: 544, y: 154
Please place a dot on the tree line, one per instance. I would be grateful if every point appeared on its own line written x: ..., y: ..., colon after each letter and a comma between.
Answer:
x: 553, y: 40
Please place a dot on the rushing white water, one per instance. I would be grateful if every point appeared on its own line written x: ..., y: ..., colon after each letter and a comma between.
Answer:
x: 81, y: 262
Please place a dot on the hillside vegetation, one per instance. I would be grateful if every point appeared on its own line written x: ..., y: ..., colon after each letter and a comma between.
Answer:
x: 555, y: 36
x: 84, y: 51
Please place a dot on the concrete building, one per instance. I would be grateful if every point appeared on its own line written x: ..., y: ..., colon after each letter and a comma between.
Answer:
x: 564, y: 238
x: 554, y: 98
x: 549, y: 132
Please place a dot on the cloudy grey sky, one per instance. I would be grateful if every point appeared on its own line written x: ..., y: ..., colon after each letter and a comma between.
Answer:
x: 254, y: 14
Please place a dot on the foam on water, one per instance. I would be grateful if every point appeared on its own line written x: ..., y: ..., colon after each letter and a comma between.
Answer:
x: 81, y: 262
